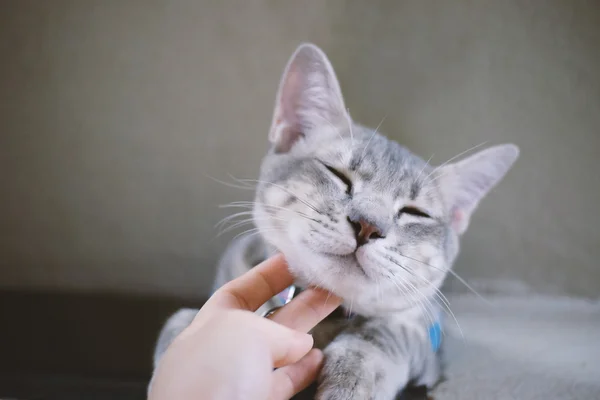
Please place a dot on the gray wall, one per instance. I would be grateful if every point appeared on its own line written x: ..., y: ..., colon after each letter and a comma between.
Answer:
x: 113, y: 114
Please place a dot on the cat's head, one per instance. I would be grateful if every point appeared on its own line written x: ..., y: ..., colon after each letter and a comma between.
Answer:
x: 354, y: 212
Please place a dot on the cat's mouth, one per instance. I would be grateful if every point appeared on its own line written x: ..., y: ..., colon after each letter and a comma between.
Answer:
x: 351, y: 259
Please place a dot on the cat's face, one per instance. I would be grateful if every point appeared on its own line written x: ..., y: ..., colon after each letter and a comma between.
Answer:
x: 354, y: 212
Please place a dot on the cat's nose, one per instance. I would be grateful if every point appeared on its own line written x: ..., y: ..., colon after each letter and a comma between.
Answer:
x: 364, y: 231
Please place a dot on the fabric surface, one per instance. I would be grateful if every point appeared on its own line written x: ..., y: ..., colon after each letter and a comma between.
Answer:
x: 517, y: 347
x: 522, y: 348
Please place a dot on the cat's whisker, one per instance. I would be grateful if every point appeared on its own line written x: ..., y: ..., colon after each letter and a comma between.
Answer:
x: 256, y: 231
x: 453, y: 158
x: 362, y: 156
x: 349, y: 119
x: 327, y: 298
x: 248, y: 221
x: 350, y: 309
x: 443, y: 298
x: 232, y: 221
x: 424, y: 299
x: 251, y: 205
x: 434, y: 179
x: 278, y: 208
x: 408, y: 292
x: 449, y: 270
x: 222, y: 228
x: 322, y: 286
x: 228, y: 218
x: 247, y: 232
x: 237, y: 203
x: 246, y: 206
x: 423, y: 169
x: 234, y: 226
x: 326, y: 234
x: 232, y: 185
x: 306, y: 203
x: 426, y: 310
x: 445, y: 302
x: 417, y: 291
x: 437, y: 177
x: 404, y: 291
x: 241, y: 181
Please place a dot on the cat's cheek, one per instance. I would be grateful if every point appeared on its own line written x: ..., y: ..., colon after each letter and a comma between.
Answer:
x: 439, y: 266
x: 434, y: 257
x: 304, y: 267
x: 296, y: 235
x: 429, y: 263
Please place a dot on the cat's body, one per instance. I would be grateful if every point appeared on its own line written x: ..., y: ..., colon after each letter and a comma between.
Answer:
x: 363, y: 217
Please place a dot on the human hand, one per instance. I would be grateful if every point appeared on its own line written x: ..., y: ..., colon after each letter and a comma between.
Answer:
x: 229, y: 352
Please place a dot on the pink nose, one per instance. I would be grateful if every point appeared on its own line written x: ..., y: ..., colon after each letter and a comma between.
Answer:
x: 364, y: 231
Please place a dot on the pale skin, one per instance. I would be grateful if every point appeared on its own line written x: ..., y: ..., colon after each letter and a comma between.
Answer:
x: 229, y: 352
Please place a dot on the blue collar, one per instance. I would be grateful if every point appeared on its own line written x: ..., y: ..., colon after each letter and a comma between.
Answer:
x: 435, y: 336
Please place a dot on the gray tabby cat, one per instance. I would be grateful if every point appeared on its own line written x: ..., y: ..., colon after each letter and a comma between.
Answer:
x: 363, y: 217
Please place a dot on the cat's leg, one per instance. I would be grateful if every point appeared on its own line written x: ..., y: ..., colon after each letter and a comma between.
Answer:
x: 369, y: 361
x: 172, y: 328
x: 431, y: 372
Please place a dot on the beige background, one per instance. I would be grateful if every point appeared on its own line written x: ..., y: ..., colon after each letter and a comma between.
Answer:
x: 112, y: 114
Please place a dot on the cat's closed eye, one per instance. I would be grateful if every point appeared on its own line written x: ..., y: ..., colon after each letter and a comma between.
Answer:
x: 413, y: 211
x: 345, y: 180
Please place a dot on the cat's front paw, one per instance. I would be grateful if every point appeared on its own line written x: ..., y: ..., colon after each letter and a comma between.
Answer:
x: 351, y: 377
x: 350, y: 387
x: 342, y: 394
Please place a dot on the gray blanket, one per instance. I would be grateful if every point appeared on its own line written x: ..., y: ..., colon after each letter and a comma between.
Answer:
x: 522, y: 348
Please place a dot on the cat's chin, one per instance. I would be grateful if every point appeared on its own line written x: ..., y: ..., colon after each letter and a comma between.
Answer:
x: 349, y: 260
x: 323, y: 269
x: 363, y: 291
x: 340, y: 274
x: 352, y: 277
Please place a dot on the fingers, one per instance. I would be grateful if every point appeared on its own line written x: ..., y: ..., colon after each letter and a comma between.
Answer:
x: 255, y: 287
x: 291, y: 379
x: 287, y: 345
x: 307, y: 310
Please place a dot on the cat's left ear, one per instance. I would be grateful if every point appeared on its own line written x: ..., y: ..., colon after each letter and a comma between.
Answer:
x: 309, y: 98
x: 466, y: 182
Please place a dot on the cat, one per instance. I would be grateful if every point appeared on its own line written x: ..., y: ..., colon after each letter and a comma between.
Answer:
x: 363, y: 217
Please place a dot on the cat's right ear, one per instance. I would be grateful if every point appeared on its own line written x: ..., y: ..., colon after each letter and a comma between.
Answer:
x: 309, y: 96
x: 465, y: 183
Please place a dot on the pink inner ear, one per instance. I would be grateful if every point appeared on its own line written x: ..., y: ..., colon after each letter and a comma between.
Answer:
x: 458, y: 218
x: 287, y: 137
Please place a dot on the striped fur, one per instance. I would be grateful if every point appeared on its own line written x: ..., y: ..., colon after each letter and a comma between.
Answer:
x: 325, y: 182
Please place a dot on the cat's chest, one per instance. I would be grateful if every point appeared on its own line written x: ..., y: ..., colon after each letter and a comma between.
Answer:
x: 330, y: 327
